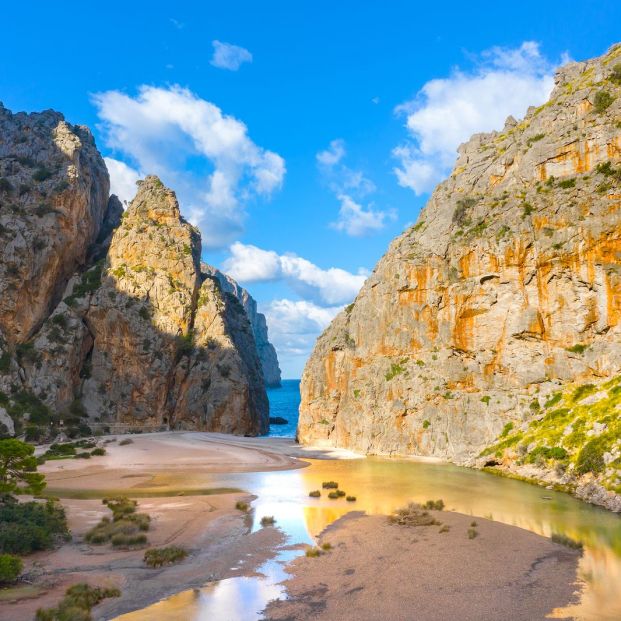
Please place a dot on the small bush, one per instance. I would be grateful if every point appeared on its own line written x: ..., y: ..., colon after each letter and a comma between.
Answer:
x: 567, y: 183
x: 77, y: 603
x: 41, y: 174
x: 333, y: 495
x: 473, y: 524
x: 426, y: 424
x: 313, y: 552
x: 615, y: 76
x: 326, y: 546
x: 157, y: 557
x: 412, y: 515
x: 268, y: 520
x: 330, y: 485
x: 127, y: 541
x: 10, y: 568
x: 602, y: 101
x: 472, y: 533
x: 564, y: 540
x: 340, y: 493
x: 590, y: 458
x: 126, y: 527
x: 98, y: 452
x: 242, y: 506
x: 126, y: 441
x: 436, y: 505
x: 315, y: 493
x: 444, y: 528
x: 350, y: 499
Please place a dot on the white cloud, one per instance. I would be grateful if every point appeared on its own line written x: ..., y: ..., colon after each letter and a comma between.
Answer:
x: 205, y: 155
x: 333, y: 154
x: 295, y: 325
x: 357, y: 221
x: 347, y: 183
x: 122, y: 179
x: 228, y: 56
x: 446, y: 112
x: 329, y: 287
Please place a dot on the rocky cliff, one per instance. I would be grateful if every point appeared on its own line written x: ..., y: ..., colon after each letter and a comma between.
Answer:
x: 267, y: 353
x: 106, y: 319
x: 484, y: 321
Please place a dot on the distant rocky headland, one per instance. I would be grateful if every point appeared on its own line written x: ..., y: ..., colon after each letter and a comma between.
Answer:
x: 490, y: 332
x: 108, y: 318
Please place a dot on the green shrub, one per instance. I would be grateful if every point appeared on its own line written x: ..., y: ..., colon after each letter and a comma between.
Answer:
x: 330, y: 485
x: 242, y: 506
x: 350, y: 499
x: 578, y: 348
x: 268, y: 520
x: 18, y: 468
x: 10, y: 568
x: 582, y: 391
x: 602, y: 101
x: 157, y: 557
x: 5, y: 185
x: 567, y: 183
x: 564, y: 540
x: 395, y: 369
x: 30, y: 526
x: 98, y: 452
x: 121, y: 540
x: 506, y: 429
x: 41, y: 174
x: 553, y: 400
x: 315, y: 493
x: 436, y: 505
x: 590, y: 458
x: 326, y: 546
x: 486, y: 399
x: 126, y: 441
x: 472, y: 533
x: 77, y: 603
x: 333, y: 495
x: 125, y: 527
x: 615, y: 75
x: 412, y: 515
x: 313, y: 552
x: 426, y: 424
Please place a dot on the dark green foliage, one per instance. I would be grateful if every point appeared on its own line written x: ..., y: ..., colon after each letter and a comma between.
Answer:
x: 395, y: 369
x: 564, y: 540
x: 30, y: 526
x: 460, y: 215
x: 124, y: 528
x: 315, y: 494
x: 268, y: 520
x: 426, y: 424
x: 144, y: 313
x: 77, y: 603
x: 41, y: 174
x: 567, y: 183
x: 330, y: 485
x: 436, y: 505
x: 535, y: 138
x: 350, y: 499
x: 25, y: 352
x: 10, y: 568
x: 578, y: 348
x: 527, y: 210
x: 242, y: 506
x: 590, y: 458
x: 90, y: 282
x: 5, y: 185
x: 507, y: 429
x: 5, y: 362
x: 546, y: 452
x: 333, y: 495
x: 18, y: 468
x: 157, y: 557
x: 615, y: 75
x: 602, y: 101
x: 553, y: 400
x: 582, y: 391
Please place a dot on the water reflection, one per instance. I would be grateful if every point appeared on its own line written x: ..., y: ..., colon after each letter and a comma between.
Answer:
x: 380, y: 486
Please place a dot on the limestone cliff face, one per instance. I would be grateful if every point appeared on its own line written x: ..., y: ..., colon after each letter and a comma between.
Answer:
x: 267, y: 353
x: 506, y: 289
x: 106, y: 319
x: 54, y: 191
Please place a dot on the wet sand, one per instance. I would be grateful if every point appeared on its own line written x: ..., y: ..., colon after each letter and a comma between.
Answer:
x: 378, y: 571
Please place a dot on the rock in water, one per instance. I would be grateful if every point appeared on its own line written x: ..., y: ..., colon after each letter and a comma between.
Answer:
x: 106, y: 319
x: 507, y: 289
x: 267, y: 353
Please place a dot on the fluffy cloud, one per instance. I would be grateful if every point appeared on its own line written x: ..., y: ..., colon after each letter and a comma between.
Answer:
x: 348, y: 185
x: 294, y: 325
x: 122, y: 179
x: 446, y: 112
x: 357, y: 221
x: 202, y: 153
x: 330, y: 287
x: 228, y: 56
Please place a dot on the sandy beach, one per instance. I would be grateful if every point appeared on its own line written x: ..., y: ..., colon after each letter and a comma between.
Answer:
x: 508, y: 569
x: 377, y: 571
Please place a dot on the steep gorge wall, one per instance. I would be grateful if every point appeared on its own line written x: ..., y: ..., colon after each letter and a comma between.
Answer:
x: 106, y: 318
x: 506, y: 290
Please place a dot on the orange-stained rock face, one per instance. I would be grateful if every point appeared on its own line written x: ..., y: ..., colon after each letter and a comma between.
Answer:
x: 474, y: 312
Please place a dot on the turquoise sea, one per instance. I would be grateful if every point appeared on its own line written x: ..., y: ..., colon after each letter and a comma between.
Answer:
x: 284, y: 402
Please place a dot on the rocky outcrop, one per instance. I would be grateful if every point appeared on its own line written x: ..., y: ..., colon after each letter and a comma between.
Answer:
x: 505, y: 291
x: 267, y: 353
x: 106, y: 319
x: 53, y: 196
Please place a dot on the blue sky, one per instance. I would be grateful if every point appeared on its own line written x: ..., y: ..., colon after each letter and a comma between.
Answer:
x: 301, y: 137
